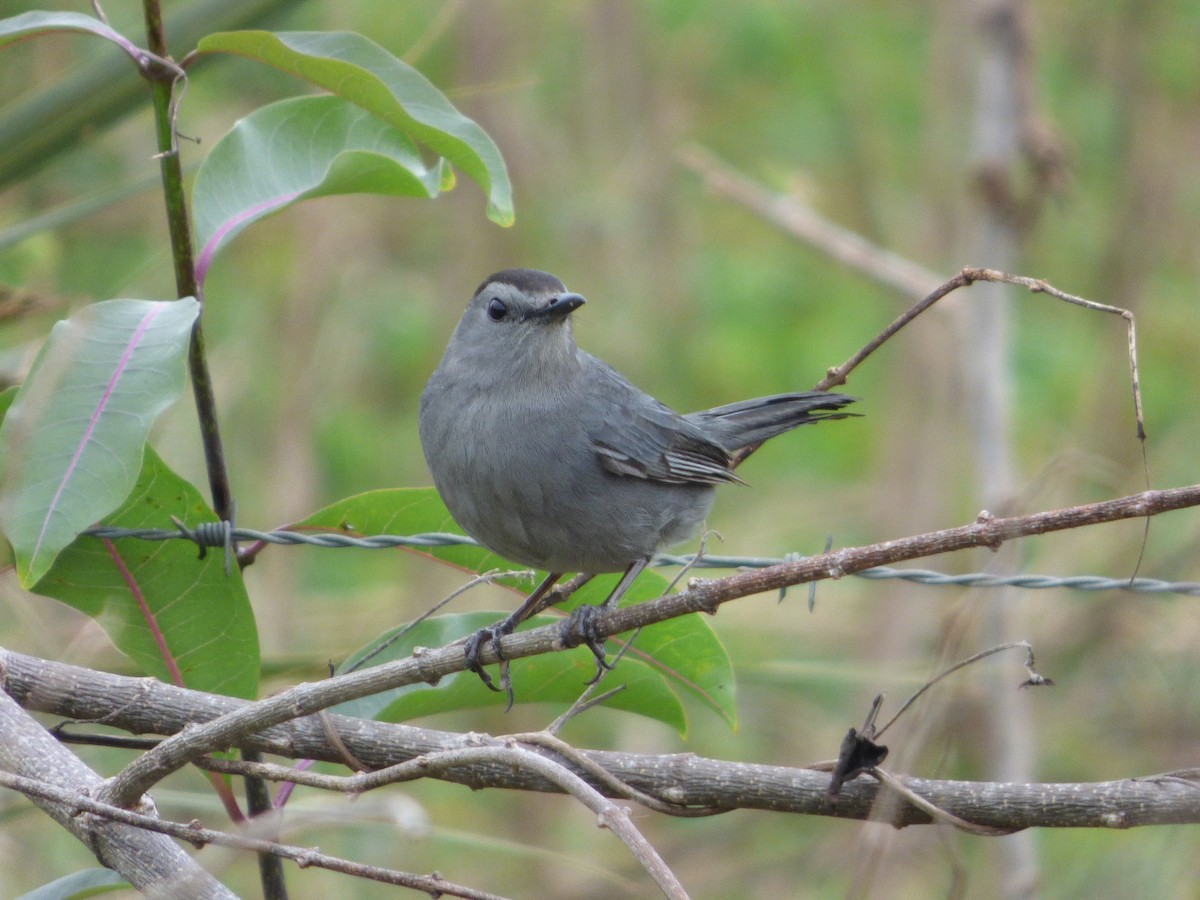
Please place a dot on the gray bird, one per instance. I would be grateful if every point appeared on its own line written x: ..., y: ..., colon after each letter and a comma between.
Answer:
x: 550, y: 458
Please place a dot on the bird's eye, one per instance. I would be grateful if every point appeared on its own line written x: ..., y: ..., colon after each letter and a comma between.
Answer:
x: 496, y: 309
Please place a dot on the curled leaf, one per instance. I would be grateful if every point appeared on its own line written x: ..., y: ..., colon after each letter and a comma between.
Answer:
x: 297, y: 149
x: 361, y: 72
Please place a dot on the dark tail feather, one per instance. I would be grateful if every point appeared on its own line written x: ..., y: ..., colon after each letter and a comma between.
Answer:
x: 750, y: 422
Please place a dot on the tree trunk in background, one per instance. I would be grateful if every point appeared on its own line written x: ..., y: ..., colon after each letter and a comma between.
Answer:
x: 994, y: 239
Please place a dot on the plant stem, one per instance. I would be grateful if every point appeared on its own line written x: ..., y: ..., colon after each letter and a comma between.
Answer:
x: 162, y: 82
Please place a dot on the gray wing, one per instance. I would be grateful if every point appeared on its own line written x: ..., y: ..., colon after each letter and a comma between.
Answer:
x: 634, y: 435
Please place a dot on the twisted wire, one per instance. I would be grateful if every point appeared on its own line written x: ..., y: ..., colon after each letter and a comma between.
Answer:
x: 219, y: 534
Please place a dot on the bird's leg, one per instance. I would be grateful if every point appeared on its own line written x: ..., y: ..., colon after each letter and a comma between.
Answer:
x: 580, y: 625
x: 560, y: 593
x: 534, y: 603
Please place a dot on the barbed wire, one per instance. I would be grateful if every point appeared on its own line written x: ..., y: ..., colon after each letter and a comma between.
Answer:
x: 220, y: 534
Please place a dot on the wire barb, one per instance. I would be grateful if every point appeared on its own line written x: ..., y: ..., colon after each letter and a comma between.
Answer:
x: 211, y: 534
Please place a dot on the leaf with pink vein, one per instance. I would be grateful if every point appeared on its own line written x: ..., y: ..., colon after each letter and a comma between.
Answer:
x: 71, y: 444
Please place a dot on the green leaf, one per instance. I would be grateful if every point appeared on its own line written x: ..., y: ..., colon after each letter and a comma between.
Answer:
x: 550, y: 678
x: 182, y: 619
x: 31, y: 24
x: 297, y: 149
x: 407, y: 511
x: 684, y: 651
x: 71, y: 444
x: 77, y: 885
x: 360, y: 71
x: 6, y: 398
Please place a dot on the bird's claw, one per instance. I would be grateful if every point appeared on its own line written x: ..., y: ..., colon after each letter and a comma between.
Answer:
x: 580, y: 628
x: 474, y: 648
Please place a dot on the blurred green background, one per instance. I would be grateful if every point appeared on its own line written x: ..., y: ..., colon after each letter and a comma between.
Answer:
x: 324, y: 323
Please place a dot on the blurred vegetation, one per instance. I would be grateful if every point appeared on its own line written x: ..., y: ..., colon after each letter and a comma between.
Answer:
x: 324, y: 323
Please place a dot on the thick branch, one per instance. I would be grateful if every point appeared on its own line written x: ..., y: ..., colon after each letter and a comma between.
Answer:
x: 152, y: 863
x: 701, y: 596
x: 142, y: 705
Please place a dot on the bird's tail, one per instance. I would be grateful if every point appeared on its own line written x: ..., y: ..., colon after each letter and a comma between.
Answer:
x: 745, y: 425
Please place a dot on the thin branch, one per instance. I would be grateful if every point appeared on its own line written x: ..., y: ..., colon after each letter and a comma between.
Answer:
x: 616, y: 786
x: 837, y: 375
x: 1038, y: 286
x: 198, y: 836
x: 888, y: 269
x: 970, y: 660
x: 851, y: 250
x: 483, y: 578
x: 935, y: 812
x: 506, y: 752
x: 589, y: 699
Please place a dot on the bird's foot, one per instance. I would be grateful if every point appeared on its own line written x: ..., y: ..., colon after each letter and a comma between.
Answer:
x: 580, y: 628
x: 474, y: 648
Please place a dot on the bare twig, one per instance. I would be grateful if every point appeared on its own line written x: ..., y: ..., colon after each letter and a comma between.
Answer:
x: 889, y: 269
x: 974, y: 658
x: 588, y: 698
x: 936, y: 813
x: 837, y: 375
x: 851, y: 250
x: 506, y: 753
x: 484, y: 578
x: 616, y: 786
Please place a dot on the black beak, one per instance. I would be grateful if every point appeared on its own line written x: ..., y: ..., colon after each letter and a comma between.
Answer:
x: 559, y: 306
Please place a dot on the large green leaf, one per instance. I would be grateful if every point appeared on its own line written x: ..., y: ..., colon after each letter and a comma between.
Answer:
x: 684, y: 651
x: 360, y: 71
x: 182, y: 619
x: 31, y: 24
x: 71, y: 444
x: 296, y: 149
